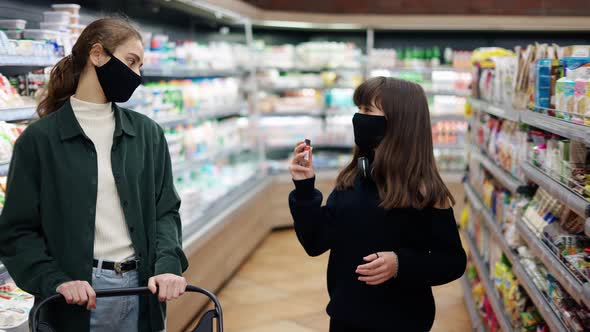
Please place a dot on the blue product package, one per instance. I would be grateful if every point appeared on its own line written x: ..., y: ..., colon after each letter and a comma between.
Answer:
x: 543, y: 83
x: 576, y: 64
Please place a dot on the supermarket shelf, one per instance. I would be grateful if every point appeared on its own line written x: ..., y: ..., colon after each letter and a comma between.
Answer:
x: 187, y: 164
x: 560, y: 127
x: 301, y: 87
x: 17, y: 113
x: 173, y: 121
x: 425, y: 70
x: 524, y: 279
x: 505, y: 178
x: 484, y: 276
x: 26, y: 61
x: 450, y: 92
x: 220, y: 112
x: 545, y: 310
x: 310, y: 69
x: 4, y: 169
x: 571, y: 284
x: 455, y: 147
x: 283, y: 114
x: 450, y: 176
x: 447, y: 117
x: 178, y: 71
x: 574, y: 201
x: 206, y: 224
x: 476, y: 322
x: 504, y: 112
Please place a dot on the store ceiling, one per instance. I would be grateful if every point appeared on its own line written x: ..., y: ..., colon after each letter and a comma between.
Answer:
x: 431, y: 7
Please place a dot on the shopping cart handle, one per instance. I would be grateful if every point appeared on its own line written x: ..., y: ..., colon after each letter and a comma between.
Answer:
x: 115, y: 292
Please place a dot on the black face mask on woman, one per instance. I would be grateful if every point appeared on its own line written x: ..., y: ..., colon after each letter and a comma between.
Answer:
x: 369, y: 131
x: 117, y: 80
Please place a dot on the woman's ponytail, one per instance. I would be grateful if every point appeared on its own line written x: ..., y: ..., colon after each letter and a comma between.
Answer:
x: 63, y: 82
x: 110, y: 33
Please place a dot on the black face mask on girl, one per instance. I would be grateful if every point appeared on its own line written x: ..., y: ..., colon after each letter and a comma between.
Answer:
x: 369, y: 131
x: 117, y: 80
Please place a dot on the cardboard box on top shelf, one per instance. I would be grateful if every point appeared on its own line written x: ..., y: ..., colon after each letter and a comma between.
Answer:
x: 577, y: 50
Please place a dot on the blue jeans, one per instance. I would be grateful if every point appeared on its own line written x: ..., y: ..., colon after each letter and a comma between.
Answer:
x: 114, y: 313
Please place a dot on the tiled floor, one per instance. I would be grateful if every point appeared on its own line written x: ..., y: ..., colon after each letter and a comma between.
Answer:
x: 281, y: 289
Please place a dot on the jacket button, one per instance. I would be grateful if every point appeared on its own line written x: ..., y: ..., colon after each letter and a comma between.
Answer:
x: 131, y: 229
x: 94, y: 181
x: 125, y: 204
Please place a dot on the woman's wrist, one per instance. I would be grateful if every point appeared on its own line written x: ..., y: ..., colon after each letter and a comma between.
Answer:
x: 304, y: 188
x: 396, y: 264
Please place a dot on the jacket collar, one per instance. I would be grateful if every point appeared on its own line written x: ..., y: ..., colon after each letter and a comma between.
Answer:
x: 69, y: 127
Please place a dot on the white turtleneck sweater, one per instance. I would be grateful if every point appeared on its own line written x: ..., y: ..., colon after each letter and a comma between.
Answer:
x: 112, y: 241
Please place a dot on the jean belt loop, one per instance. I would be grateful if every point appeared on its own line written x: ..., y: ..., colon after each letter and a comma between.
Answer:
x: 99, y: 268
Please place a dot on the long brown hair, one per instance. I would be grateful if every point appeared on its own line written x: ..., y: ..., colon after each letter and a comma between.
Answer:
x: 404, y: 168
x: 110, y: 32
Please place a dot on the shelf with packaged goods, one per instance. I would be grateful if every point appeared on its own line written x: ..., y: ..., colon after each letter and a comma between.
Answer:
x: 488, y: 284
x: 476, y: 322
x: 557, y: 126
x: 4, y: 169
x: 180, y: 71
x: 523, y: 278
x: 447, y: 92
x: 424, y: 70
x: 17, y: 113
x: 311, y: 69
x: 195, y: 116
x: 218, y: 155
x: 27, y: 61
x: 575, y: 288
x: 504, y: 112
x: 316, y: 114
x: 573, y: 200
x: 280, y: 89
x: 506, y: 179
x: 205, y: 224
x: 447, y: 117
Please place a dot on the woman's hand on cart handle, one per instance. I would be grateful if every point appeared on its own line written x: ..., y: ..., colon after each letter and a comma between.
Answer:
x: 78, y: 292
x: 168, y: 286
x: 301, y: 168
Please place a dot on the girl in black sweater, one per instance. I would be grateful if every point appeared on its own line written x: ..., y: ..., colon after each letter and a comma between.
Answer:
x: 390, y: 229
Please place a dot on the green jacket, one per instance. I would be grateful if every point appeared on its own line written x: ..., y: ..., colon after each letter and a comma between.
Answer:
x: 47, y: 224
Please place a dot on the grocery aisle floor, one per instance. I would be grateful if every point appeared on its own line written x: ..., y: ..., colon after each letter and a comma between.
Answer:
x: 281, y: 289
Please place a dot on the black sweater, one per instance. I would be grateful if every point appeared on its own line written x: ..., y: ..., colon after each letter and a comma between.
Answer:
x: 352, y: 225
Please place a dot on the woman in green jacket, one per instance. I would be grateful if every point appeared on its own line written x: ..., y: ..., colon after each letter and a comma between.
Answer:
x: 90, y: 201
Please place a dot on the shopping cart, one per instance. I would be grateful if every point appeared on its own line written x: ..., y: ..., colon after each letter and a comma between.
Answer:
x: 205, y: 324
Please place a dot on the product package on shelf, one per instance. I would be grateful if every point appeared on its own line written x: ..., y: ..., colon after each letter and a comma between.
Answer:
x: 493, y: 75
x: 502, y: 140
x: 8, y: 134
x: 168, y: 100
x: 573, y: 316
x: 191, y: 55
x: 419, y: 58
x: 566, y: 161
x: 15, y: 306
x: 57, y: 34
x: 206, y: 185
x: 309, y: 56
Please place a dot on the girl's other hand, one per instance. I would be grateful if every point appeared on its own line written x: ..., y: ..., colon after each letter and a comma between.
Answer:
x: 381, y: 267
x: 300, y: 168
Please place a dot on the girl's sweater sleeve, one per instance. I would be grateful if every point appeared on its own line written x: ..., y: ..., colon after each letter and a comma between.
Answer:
x: 443, y: 263
x: 313, y: 222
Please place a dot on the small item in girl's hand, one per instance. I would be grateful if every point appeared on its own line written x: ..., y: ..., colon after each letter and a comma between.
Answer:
x: 307, y: 149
